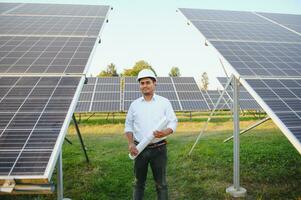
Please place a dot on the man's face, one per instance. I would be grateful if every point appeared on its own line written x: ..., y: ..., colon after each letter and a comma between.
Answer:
x: 147, y: 86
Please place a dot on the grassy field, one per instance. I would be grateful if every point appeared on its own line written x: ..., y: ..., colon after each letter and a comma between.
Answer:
x: 270, y: 166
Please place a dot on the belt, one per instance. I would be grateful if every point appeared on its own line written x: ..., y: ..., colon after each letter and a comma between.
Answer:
x: 153, y: 145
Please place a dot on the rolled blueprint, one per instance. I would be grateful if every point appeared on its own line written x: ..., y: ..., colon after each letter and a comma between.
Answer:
x: 141, y: 146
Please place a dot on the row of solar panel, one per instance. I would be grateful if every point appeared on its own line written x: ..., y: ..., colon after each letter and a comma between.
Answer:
x: 260, y: 44
x: 105, y: 95
x: 264, y: 52
x: 35, y: 110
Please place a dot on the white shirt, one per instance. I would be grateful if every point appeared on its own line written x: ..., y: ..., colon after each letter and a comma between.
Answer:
x: 143, y: 116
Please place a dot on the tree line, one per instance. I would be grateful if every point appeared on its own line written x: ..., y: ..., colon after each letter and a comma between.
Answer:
x: 111, y: 71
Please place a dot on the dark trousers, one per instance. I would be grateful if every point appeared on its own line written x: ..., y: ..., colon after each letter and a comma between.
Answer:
x: 157, y: 158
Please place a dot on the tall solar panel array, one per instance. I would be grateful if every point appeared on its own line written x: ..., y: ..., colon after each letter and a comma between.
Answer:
x: 182, y: 92
x: 45, y: 50
x: 164, y: 88
x: 260, y: 48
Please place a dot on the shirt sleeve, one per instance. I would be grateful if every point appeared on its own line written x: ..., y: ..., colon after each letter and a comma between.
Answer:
x: 129, y: 121
x: 171, y: 117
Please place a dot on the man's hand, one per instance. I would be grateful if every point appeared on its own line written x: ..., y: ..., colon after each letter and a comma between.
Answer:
x: 159, y: 134
x: 132, y: 149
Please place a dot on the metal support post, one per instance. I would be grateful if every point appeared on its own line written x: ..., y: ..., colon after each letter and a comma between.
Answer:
x: 60, y: 189
x: 80, y: 137
x: 235, y: 190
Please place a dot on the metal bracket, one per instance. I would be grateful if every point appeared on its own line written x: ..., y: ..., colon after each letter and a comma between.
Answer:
x: 8, y: 186
x: 211, y: 114
x: 250, y: 128
x: 80, y: 137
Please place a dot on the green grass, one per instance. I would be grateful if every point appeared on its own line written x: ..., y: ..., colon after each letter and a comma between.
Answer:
x: 270, y: 166
x: 119, y: 118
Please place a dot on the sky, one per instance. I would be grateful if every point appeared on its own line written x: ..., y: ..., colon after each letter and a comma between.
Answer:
x: 155, y: 32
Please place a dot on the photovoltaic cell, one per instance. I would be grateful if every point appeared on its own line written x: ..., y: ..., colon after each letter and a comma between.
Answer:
x: 31, y: 122
x: 221, y: 15
x: 100, y: 95
x: 190, y: 96
x: 61, y: 9
x: 237, y: 25
x: 44, y: 54
x: 253, y: 47
x: 283, y: 98
x: 262, y: 59
x: 50, y: 26
x: 289, y: 20
x: 179, y: 80
x: 4, y: 7
x: 245, y: 31
x: 130, y: 79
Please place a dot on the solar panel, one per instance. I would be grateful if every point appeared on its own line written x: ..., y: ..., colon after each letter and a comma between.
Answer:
x: 61, y: 9
x: 5, y: 7
x: 212, y: 96
x: 34, y: 117
x: 50, y: 25
x: 246, y: 101
x: 237, y: 25
x: 269, y: 50
x: 271, y: 64
x: 221, y: 15
x: 100, y: 95
x: 289, y: 20
x: 36, y: 108
x: 262, y: 59
x: 281, y: 99
x: 130, y: 79
x: 190, y: 96
x: 44, y: 54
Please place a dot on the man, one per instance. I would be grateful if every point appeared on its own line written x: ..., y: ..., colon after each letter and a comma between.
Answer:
x: 143, y: 116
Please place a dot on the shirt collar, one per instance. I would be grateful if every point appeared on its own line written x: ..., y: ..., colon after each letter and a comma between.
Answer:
x: 153, y: 99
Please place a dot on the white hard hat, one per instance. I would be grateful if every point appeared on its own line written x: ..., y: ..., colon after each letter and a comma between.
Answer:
x: 146, y: 73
